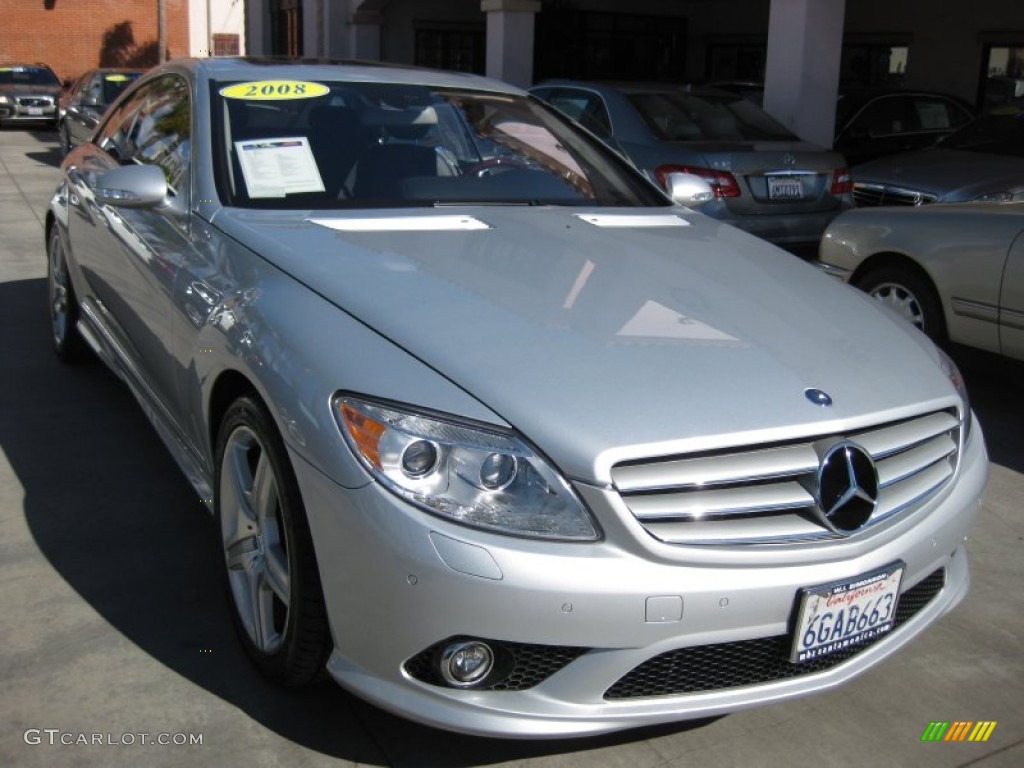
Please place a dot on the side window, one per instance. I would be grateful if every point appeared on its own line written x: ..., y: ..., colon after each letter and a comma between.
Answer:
x: 77, y: 90
x: 154, y: 127
x: 584, y: 107
x: 938, y: 114
x: 113, y: 135
x: 885, y: 116
x: 161, y: 134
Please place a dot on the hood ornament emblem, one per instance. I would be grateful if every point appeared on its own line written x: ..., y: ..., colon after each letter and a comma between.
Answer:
x: 847, y: 487
x: 818, y: 397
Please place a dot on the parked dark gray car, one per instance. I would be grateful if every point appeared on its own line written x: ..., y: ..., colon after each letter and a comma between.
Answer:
x: 28, y: 94
x: 84, y: 103
x: 983, y: 161
x: 765, y: 180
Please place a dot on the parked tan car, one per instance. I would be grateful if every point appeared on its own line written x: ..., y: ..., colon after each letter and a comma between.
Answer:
x: 956, y: 270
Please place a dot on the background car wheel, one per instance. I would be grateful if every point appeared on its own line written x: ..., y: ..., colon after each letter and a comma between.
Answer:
x: 911, y: 295
x: 67, y: 343
x: 65, y: 138
x: 272, y: 577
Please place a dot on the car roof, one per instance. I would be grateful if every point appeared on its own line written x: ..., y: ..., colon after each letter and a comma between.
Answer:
x: 269, y: 67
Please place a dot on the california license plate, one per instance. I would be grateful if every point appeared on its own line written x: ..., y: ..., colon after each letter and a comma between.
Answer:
x: 839, y: 615
x: 784, y: 188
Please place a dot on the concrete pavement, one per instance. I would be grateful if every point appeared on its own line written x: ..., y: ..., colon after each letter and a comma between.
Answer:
x: 115, y: 625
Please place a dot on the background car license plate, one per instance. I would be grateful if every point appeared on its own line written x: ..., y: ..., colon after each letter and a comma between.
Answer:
x: 836, y: 616
x: 784, y: 188
x: 35, y: 110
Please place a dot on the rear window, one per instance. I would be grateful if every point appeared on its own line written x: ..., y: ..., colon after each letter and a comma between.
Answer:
x: 290, y: 144
x: 681, y: 116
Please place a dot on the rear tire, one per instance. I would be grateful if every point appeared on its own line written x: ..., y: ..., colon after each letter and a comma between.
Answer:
x: 911, y: 295
x: 272, y: 578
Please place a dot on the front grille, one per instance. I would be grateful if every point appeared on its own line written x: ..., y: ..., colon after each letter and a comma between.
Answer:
x: 518, y: 666
x: 751, y: 662
x: 35, y: 102
x: 767, y: 494
x: 867, y: 195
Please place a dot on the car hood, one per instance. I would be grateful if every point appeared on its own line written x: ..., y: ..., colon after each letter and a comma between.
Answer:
x: 949, y: 174
x: 601, y: 342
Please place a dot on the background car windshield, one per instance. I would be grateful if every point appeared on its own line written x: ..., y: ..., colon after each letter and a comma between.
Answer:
x: 372, y: 145
x: 115, y: 83
x: 709, y: 116
x: 999, y: 132
x: 27, y: 76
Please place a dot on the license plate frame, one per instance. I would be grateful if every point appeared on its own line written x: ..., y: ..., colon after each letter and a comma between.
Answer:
x: 785, y: 188
x: 841, y: 614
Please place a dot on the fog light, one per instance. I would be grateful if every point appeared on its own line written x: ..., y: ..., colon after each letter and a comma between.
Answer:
x: 466, y: 663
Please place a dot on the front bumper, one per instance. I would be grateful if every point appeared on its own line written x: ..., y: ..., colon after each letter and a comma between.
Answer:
x: 397, y: 581
x: 15, y: 113
x: 791, y: 230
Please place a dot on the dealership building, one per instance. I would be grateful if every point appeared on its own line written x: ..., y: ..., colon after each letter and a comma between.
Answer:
x: 802, y: 49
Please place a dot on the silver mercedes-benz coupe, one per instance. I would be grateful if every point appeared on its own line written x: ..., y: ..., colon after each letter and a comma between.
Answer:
x: 493, y: 430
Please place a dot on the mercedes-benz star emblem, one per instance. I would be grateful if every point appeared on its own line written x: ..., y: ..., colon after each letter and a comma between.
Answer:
x: 789, y: 159
x: 847, y: 487
x: 818, y: 397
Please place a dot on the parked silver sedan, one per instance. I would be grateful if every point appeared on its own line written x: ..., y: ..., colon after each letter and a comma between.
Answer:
x: 84, y: 103
x: 492, y: 430
x: 955, y: 271
x: 983, y: 162
x: 764, y: 179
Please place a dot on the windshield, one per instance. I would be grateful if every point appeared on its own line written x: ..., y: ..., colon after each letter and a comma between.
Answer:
x: 114, y: 83
x: 999, y: 132
x: 21, y: 75
x: 374, y: 145
x: 706, y: 116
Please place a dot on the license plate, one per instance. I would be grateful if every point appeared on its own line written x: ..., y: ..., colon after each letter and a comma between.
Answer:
x: 836, y: 616
x: 784, y: 188
x: 35, y: 110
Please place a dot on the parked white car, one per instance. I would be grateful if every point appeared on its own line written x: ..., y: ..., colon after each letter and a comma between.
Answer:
x: 956, y: 271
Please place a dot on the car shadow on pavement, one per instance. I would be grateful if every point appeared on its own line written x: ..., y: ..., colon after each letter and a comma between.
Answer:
x: 51, y: 156
x: 110, y: 511
x: 995, y: 385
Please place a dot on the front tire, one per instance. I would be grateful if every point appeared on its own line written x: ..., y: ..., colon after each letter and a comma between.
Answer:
x: 65, y: 138
x: 273, y: 583
x: 911, y: 295
x: 67, y: 343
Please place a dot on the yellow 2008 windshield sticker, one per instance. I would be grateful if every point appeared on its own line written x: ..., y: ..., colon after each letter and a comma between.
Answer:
x: 274, y: 90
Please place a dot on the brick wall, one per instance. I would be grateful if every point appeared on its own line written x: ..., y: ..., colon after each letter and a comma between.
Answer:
x: 75, y: 35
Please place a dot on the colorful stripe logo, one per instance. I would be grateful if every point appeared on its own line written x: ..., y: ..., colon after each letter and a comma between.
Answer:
x: 958, y: 730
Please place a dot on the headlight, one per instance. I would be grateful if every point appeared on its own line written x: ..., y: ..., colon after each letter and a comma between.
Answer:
x: 961, y: 389
x: 486, y: 478
x: 4, y: 100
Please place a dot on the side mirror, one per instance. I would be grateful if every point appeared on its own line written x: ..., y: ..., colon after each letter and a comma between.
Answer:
x: 132, y: 186
x: 688, y: 188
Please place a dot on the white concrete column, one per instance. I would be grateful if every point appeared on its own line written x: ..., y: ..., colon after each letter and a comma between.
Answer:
x: 805, y: 39
x: 364, y: 35
x: 510, y: 39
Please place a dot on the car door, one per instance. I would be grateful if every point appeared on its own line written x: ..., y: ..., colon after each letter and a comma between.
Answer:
x: 1011, y: 302
x: 129, y: 257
